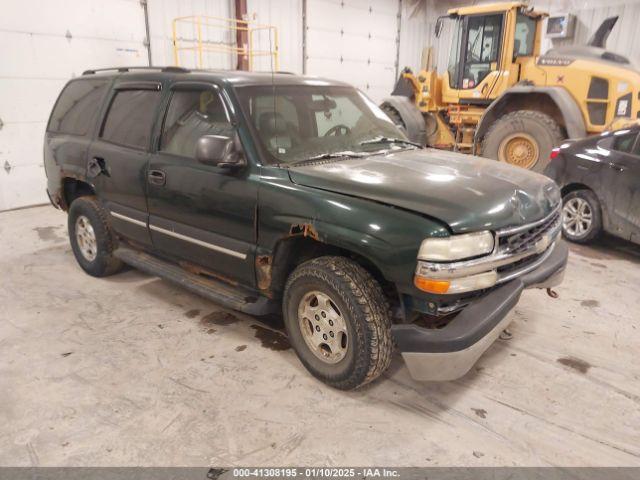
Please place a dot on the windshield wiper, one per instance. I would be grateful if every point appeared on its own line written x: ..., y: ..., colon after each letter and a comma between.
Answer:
x: 389, y: 140
x: 324, y: 156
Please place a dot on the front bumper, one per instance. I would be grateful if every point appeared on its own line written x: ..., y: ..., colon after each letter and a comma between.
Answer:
x: 450, y: 352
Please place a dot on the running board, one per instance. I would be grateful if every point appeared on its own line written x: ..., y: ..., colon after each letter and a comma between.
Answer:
x: 236, y: 298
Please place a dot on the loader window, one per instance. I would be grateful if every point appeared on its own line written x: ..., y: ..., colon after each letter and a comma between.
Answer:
x: 524, y: 36
x: 483, y: 48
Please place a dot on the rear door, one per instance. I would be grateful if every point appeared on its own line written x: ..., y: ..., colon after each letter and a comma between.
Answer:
x: 201, y: 214
x: 622, y: 179
x: 118, y: 158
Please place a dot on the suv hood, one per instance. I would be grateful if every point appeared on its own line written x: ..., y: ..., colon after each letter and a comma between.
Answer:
x: 467, y: 193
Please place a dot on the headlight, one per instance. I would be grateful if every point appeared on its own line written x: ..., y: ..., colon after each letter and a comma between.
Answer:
x: 456, y: 247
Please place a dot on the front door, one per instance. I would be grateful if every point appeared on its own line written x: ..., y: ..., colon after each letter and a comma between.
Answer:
x: 200, y: 214
x: 118, y: 158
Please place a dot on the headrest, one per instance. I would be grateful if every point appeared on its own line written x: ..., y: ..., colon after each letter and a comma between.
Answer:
x: 272, y: 123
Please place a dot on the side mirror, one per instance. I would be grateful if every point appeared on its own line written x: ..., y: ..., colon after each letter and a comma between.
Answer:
x: 218, y: 151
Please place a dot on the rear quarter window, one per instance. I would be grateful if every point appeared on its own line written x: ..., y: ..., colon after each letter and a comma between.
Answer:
x: 77, y: 107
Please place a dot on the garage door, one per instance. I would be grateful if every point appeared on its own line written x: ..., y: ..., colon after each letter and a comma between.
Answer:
x: 39, y: 54
x: 354, y: 41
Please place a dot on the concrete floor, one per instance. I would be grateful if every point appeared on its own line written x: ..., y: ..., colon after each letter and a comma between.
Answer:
x: 131, y: 370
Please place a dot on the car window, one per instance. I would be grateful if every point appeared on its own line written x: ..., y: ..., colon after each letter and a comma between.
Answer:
x: 130, y: 118
x: 77, y: 107
x: 624, y: 143
x: 297, y: 122
x: 192, y: 114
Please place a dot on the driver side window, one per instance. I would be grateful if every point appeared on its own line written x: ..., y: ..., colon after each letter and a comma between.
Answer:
x: 343, y: 113
x: 192, y: 114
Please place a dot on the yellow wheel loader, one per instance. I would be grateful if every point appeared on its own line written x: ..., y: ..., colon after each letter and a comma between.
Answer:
x: 501, y: 99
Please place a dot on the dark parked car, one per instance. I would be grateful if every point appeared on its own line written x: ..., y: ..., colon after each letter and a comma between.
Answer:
x: 284, y: 193
x: 600, y: 183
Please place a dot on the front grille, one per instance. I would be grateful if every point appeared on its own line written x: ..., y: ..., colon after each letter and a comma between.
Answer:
x: 524, y: 240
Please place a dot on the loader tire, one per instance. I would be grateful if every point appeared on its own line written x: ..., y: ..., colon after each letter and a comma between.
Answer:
x: 523, y: 138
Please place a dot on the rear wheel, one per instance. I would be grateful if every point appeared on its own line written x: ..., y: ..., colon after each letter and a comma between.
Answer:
x: 338, y: 322
x: 91, y: 237
x: 581, y: 216
x: 523, y: 138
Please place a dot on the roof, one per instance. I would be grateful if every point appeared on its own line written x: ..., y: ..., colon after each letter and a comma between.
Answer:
x: 232, y: 77
x: 487, y: 8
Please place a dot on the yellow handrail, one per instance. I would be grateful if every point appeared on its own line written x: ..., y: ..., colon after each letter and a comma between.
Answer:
x: 200, y: 44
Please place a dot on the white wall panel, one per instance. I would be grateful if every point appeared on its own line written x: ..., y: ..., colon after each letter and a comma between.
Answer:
x: 355, y: 42
x: 44, y: 43
x: 286, y: 16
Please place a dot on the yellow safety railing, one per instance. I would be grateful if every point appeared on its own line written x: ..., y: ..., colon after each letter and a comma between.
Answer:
x: 199, y: 26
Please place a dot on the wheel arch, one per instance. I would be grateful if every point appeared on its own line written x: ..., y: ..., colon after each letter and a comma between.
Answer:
x: 73, y: 188
x: 553, y: 101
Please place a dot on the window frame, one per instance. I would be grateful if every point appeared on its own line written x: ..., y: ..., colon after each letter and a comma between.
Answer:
x: 191, y: 85
x: 128, y: 86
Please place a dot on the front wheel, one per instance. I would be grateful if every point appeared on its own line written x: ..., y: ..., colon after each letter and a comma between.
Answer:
x: 338, y: 321
x: 523, y: 138
x: 581, y: 216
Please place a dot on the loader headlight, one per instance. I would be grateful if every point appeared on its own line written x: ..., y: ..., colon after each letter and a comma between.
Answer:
x: 456, y: 247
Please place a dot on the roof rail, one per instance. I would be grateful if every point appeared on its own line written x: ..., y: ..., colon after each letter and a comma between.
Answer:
x: 128, y: 69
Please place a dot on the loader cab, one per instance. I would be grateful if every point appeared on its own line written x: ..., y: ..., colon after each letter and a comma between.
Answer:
x: 488, y: 45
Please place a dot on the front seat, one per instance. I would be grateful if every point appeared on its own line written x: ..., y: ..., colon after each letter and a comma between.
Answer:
x: 275, y: 132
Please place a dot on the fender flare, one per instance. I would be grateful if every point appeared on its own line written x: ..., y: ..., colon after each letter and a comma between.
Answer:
x: 569, y: 109
x: 411, y: 117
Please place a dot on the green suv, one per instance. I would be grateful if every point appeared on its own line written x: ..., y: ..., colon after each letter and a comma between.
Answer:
x: 281, y: 193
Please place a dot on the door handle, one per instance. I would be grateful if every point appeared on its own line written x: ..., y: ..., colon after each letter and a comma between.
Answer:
x: 616, y: 167
x: 157, y: 177
x: 96, y: 166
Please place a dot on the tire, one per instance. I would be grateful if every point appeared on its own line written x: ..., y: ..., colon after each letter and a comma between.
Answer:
x: 95, y: 257
x: 359, y: 301
x: 539, y: 134
x: 395, y: 117
x: 591, y: 204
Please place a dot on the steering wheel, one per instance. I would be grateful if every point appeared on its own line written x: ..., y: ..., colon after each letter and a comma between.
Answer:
x: 338, y: 130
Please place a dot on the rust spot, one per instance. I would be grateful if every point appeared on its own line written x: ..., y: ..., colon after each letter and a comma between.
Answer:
x: 263, y: 271
x: 575, y: 363
x: 219, y: 318
x: 203, y: 272
x: 304, y: 229
x: 271, y: 339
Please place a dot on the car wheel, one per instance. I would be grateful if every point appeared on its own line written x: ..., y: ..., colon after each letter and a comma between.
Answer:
x: 581, y: 216
x: 338, y: 322
x: 523, y: 138
x: 91, y: 237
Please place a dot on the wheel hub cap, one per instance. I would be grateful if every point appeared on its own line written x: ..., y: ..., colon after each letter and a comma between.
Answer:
x: 86, y: 238
x: 577, y: 217
x: 519, y: 149
x: 323, y: 327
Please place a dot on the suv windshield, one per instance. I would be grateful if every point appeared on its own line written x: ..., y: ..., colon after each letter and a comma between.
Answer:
x: 300, y: 122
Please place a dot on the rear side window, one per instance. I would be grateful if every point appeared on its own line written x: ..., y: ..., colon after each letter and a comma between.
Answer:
x: 624, y: 143
x: 130, y: 118
x: 77, y: 107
